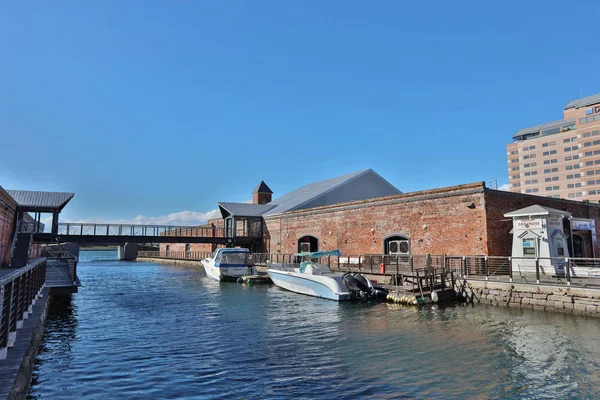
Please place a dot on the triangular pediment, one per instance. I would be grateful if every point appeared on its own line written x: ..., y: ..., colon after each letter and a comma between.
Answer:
x: 529, y: 233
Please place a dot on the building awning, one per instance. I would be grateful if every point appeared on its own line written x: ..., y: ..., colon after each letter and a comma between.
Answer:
x: 40, y: 201
x: 243, y: 209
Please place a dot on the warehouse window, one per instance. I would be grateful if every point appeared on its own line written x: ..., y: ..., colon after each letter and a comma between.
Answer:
x: 397, y: 245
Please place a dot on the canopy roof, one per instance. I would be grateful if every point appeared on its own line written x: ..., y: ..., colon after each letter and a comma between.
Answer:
x: 243, y: 209
x: 40, y: 201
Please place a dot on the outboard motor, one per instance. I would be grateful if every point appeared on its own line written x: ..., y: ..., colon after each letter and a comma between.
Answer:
x: 352, y: 284
x: 361, y: 287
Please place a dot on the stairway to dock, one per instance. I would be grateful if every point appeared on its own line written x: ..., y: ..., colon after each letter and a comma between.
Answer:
x: 20, y: 253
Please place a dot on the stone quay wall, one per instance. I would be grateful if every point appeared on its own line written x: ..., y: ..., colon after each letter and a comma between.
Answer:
x: 570, y: 300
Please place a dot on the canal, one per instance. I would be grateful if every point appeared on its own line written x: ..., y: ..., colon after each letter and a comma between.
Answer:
x: 142, y: 330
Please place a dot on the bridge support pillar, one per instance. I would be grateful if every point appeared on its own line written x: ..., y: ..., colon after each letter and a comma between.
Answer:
x: 128, y: 252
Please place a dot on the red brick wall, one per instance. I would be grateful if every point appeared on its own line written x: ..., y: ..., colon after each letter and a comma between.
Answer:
x: 498, y: 203
x: 203, y: 247
x: 440, y: 221
x: 437, y: 221
x: 7, y: 226
x: 459, y: 220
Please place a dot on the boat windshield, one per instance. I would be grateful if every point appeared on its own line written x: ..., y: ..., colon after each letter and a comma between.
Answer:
x: 313, y: 268
x: 234, y: 258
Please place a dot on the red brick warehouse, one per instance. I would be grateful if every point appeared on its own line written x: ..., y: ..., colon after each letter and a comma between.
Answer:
x: 362, y: 213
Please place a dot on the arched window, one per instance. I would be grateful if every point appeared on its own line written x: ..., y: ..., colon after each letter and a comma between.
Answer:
x: 396, y: 245
x: 167, y: 250
x: 308, y: 244
x: 188, y: 251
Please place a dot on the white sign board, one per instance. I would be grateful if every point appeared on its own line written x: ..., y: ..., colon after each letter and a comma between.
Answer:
x: 529, y: 223
x: 555, y: 223
x: 582, y: 224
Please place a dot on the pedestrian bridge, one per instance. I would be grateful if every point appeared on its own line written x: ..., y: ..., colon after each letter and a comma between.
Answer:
x: 115, y: 234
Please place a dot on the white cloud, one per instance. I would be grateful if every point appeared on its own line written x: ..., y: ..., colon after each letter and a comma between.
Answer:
x: 505, y: 187
x: 182, y: 218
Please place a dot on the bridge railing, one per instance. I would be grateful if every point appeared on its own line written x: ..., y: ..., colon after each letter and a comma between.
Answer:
x: 18, y: 292
x: 138, y: 230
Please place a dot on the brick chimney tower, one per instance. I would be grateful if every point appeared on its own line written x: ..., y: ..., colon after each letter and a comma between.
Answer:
x: 262, y: 194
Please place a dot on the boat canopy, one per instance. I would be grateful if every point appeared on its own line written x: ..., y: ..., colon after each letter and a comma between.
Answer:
x: 317, y: 254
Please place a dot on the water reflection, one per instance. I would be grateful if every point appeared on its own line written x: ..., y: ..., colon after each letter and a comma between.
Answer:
x: 140, y: 330
x: 60, y: 333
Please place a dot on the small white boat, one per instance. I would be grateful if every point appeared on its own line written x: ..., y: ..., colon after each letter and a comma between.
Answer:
x: 315, y: 279
x: 228, y: 264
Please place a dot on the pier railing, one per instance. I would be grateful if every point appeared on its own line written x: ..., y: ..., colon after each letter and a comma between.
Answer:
x: 537, y: 270
x: 18, y: 292
x: 175, y: 255
x: 66, y: 257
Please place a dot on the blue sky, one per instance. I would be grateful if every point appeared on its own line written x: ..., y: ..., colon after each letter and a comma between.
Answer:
x: 149, y: 108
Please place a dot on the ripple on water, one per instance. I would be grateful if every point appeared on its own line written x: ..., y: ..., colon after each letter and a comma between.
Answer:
x: 138, y: 330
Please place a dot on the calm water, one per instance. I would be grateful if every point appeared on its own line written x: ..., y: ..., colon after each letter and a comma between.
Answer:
x: 140, y: 330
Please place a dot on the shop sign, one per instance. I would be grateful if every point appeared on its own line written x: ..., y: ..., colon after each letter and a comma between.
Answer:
x: 582, y: 224
x: 529, y: 223
x: 555, y: 223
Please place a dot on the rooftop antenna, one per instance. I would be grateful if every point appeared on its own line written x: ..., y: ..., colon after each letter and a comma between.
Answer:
x: 494, y: 184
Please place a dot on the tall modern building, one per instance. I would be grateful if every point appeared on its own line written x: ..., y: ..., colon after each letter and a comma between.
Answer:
x: 559, y: 159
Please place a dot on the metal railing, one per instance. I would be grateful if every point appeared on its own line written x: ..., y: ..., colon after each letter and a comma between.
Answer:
x: 550, y: 270
x: 18, y: 292
x: 81, y: 229
x: 175, y: 255
x: 14, y: 240
x: 65, y: 256
x: 28, y: 226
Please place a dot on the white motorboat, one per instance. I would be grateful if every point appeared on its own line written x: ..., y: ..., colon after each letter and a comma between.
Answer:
x: 228, y: 264
x: 316, y: 279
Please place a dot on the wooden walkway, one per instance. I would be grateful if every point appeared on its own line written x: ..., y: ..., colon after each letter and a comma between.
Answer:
x: 15, y: 370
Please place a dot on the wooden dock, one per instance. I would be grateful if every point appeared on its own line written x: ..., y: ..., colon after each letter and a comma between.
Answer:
x: 424, y: 287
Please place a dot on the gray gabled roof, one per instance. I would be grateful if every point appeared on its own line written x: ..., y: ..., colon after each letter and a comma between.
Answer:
x: 586, y: 101
x: 262, y: 188
x: 307, y: 193
x: 41, y: 200
x: 536, y: 210
x: 542, y: 127
x: 243, y: 209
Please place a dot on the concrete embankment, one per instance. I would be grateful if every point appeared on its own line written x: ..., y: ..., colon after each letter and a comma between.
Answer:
x: 570, y: 300
x: 16, y: 369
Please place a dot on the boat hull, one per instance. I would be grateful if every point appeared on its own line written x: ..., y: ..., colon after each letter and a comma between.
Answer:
x: 326, y: 287
x: 225, y: 273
